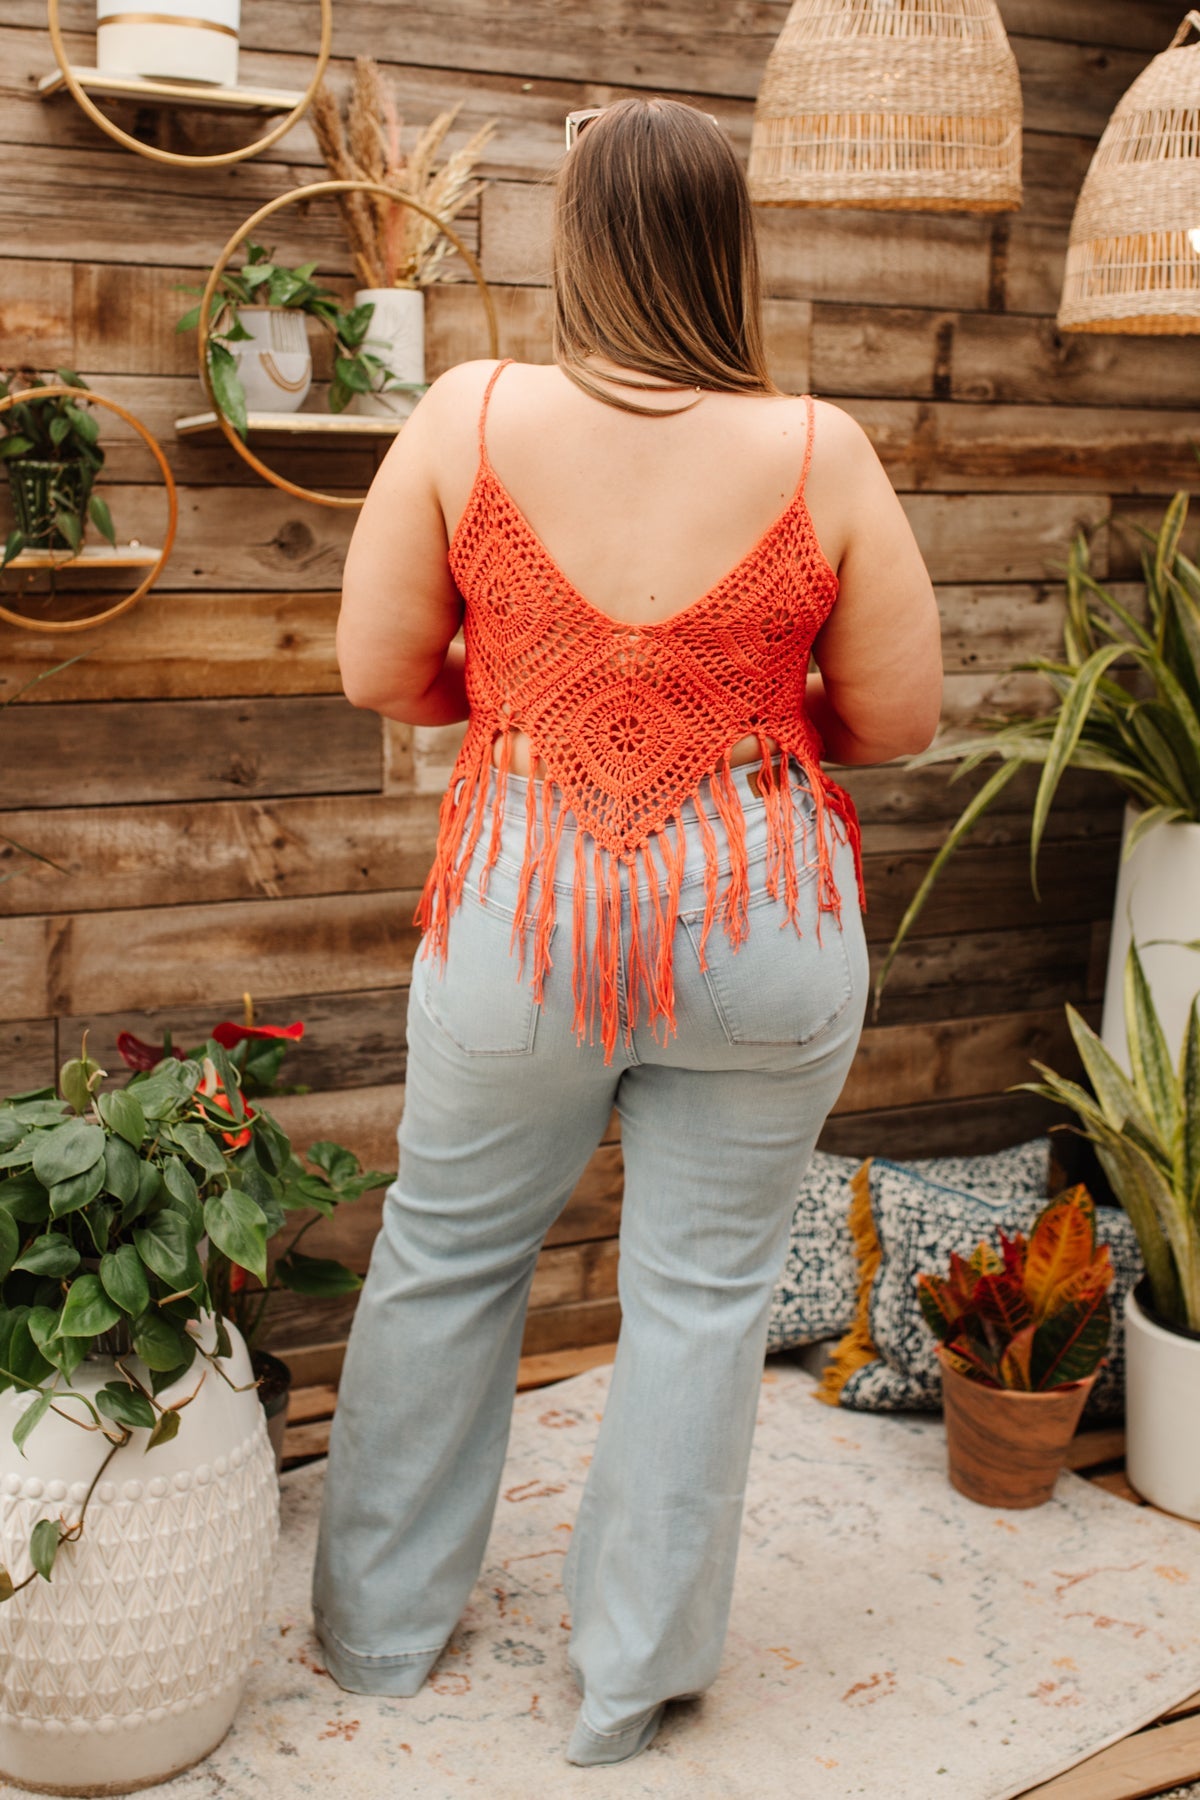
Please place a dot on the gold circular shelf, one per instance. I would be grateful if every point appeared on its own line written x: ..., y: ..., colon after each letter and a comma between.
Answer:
x: 218, y: 158
x: 143, y: 586
x: 312, y: 192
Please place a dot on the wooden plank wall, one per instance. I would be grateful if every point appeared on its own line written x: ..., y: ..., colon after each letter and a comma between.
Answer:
x: 222, y: 819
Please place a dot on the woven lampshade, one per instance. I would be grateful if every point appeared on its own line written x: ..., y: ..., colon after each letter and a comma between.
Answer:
x: 909, y: 104
x: 1133, y: 262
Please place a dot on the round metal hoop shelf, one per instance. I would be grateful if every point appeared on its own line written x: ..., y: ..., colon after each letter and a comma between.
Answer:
x: 176, y: 158
x: 147, y: 582
x: 313, y: 191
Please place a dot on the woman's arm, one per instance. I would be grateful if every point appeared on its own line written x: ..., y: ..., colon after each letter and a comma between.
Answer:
x: 400, y: 608
x: 877, y: 692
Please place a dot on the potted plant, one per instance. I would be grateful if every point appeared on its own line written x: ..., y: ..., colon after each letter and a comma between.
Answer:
x: 1128, y: 703
x: 141, y: 1501
x: 1145, y: 1128
x: 397, y: 251
x: 51, y: 453
x: 333, y: 1177
x: 258, y: 352
x: 198, y: 42
x: 1022, y: 1333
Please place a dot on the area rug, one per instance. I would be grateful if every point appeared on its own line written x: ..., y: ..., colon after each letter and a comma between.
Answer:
x: 888, y: 1639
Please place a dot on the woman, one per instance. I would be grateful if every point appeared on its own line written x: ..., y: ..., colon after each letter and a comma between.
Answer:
x: 645, y: 895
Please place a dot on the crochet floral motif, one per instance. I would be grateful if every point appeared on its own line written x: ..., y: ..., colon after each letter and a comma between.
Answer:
x: 628, y: 721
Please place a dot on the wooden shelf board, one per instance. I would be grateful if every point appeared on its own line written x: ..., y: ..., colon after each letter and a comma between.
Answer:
x: 201, y: 95
x: 312, y: 425
x: 92, y: 556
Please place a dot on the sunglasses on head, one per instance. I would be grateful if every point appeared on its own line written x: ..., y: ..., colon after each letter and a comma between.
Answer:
x: 576, y: 121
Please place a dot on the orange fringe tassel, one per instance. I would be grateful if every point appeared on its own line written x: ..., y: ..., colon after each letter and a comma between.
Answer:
x: 597, y: 978
x: 858, y: 1347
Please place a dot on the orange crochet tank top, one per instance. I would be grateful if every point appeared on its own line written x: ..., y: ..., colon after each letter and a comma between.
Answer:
x: 628, y: 720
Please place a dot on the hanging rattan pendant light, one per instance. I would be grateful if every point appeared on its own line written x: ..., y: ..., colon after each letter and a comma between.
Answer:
x: 909, y: 104
x: 1133, y: 262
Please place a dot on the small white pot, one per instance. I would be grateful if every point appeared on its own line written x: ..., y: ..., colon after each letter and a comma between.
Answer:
x: 1158, y: 888
x: 129, y: 1664
x: 176, y: 40
x: 397, y: 335
x: 1162, y: 1413
x: 276, y: 367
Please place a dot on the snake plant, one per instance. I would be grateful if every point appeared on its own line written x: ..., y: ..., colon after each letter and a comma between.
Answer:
x: 1146, y: 1130
x: 1128, y: 692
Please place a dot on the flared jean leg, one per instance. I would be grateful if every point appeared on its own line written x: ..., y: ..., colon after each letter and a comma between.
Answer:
x: 425, y: 1403
x: 712, y: 1162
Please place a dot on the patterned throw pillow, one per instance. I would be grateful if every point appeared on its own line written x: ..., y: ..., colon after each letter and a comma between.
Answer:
x: 818, y: 1292
x: 905, y: 1223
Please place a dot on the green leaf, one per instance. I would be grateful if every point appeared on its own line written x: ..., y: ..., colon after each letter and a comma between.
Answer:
x: 66, y: 1150
x: 101, y: 518
x: 124, y: 1280
x: 124, y: 1405
x: 161, y: 1345
x: 317, y: 1277
x: 238, y: 1227
x: 10, y: 1242
x: 122, y: 1112
x: 78, y: 1080
x: 25, y: 1358
x: 31, y: 1418
x: 148, y: 1195
x: 7, y: 1588
x: 43, y: 1545
x: 1189, y: 1083
x: 167, y: 1245
x: 122, y: 1171
x: 228, y: 391
x: 179, y: 1184
x: 1071, y: 718
x: 51, y: 1254
x: 351, y: 373
x: 85, y: 425
x: 1150, y: 1059
x: 80, y: 1190
x: 88, y: 1310
x: 166, y: 1427
x: 68, y: 525
x: 197, y: 1144
x: 224, y: 1344
x: 14, y: 543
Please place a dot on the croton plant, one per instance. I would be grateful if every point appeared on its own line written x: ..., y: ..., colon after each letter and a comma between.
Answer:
x: 1032, y: 1315
x: 129, y: 1214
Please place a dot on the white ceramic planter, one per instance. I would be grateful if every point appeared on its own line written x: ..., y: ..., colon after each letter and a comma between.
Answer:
x: 397, y: 334
x: 176, y: 40
x: 276, y: 366
x: 1158, y: 888
x: 1162, y: 1413
x: 129, y: 1665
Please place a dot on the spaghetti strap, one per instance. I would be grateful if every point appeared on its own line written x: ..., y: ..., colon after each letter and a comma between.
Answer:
x: 487, y: 395
x: 808, y: 442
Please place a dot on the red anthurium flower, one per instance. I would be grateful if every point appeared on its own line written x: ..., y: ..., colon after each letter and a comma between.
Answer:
x: 237, y: 1278
x: 141, y: 1055
x: 228, y: 1034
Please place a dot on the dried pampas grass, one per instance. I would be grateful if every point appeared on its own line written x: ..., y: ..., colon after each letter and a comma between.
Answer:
x: 394, y: 245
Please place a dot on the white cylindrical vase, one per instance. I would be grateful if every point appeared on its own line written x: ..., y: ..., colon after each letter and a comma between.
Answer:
x: 276, y: 364
x: 1158, y: 896
x: 396, y: 335
x: 129, y: 1664
x: 176, y: 40
x: 1162, y: 1412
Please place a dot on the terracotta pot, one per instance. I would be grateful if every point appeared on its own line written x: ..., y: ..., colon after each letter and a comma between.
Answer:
x: 1005, y: 1448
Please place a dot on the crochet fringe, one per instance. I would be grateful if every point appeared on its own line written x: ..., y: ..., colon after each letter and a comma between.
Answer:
x: 649, y: 968
x: 857, y: 1347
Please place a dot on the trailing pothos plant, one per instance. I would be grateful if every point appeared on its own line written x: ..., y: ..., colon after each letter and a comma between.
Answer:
x: 1145, y: 1127
x: 1033, y: 1315
x: 107, y: 1198
x: 50, y: 447
x: 261, y: 281
x: 1127, y: 704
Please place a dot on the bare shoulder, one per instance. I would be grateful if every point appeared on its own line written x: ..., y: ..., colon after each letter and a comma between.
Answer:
x: 838, y: 438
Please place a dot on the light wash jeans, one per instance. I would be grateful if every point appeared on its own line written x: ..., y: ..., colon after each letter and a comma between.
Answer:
x: 502, y: 1112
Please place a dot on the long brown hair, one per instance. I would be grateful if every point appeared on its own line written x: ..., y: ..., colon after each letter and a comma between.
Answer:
x: 655, y: 259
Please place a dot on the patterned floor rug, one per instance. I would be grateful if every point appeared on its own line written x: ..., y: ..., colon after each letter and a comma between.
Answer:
x: 889, y: 1638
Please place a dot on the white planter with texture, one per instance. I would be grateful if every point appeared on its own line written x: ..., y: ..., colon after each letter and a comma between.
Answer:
x: 129, y: 1664
x: 1158, y: 892
x: 275, y: 366
x: 1162, y: 1412
x: 180, y: 40
x: 396, y: 334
